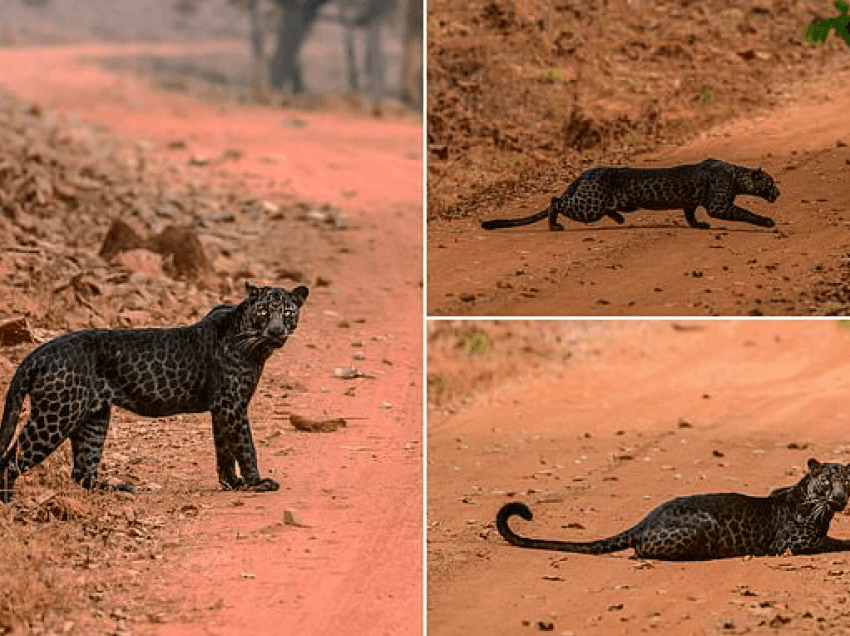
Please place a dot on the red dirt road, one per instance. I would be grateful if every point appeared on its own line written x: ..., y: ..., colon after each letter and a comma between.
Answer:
x: 593, y: 425
x: 357, y: 564
x: 655, y: 264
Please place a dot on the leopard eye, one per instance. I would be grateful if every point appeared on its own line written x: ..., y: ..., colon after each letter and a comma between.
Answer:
x: 821, y: 487
x: 262, y: 312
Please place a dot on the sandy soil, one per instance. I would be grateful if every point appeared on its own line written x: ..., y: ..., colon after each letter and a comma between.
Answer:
x: 655, y: 264
x: 502, y: 148
x: 222, y: 563
x: 593, y: 424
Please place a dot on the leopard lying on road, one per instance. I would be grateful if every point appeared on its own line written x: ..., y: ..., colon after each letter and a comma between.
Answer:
x: 792, y: 520
x: 213, y: 365
x: 601, y: 192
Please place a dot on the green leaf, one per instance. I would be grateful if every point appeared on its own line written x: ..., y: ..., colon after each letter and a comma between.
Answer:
x: 818, y: 32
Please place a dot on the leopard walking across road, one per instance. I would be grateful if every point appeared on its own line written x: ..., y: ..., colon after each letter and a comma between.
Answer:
x: 214, y: 365
x: 609, y: 191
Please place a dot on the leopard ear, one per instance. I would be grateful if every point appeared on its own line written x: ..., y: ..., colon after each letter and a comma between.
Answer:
x: 814, y: 465
x: 300, y: 294
x: 251, y: 290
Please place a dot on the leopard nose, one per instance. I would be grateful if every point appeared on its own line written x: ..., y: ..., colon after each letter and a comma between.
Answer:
x: 276, y: 329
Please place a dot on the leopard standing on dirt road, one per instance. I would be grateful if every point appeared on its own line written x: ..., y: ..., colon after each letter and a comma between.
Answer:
x: 601, y: 192
x: 213, y: 365
x: 794, y: 519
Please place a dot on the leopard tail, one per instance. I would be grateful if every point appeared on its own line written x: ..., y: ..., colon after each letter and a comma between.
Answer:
x: 618, y: 542
x: 526, y: 220
x: 18, y: 390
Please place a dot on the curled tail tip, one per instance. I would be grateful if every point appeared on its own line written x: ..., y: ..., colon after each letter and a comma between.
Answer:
x: 506, y: 512
x: 514, y: 508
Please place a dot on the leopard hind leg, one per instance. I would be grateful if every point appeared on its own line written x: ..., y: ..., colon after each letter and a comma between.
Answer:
x: 87, y: 442
x: 619, y: 218
x: 9, y: 473
x: 691, y: 218
x: 46, y: 428
x: 590, y: 204
x: 556, y: 207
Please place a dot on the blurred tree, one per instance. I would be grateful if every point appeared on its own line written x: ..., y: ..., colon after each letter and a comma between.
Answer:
x: 294, y: 19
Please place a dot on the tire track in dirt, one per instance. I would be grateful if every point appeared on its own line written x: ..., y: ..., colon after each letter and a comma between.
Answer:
x: 237, y: 568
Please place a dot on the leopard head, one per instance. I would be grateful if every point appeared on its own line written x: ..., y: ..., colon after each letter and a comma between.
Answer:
x: 824, y: 490
x: 759, y: 183
x: 270, y: 315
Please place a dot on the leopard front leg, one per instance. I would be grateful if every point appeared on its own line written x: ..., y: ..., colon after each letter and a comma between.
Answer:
x: 829, y: 544
x: 234, y: 445
x: 723, y: 207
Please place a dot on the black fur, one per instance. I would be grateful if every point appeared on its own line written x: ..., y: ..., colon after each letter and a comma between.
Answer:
x: 602, y: 192
x: 792, y: 520
x: 213, y: 365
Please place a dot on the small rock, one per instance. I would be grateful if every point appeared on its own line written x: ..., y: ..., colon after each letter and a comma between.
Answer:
x: 316, y: 426
x: 15, y: 331
x: 291, y: 518
x: 346, y: 373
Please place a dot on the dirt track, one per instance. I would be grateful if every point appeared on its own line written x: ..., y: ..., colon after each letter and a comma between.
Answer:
x: 655, y: 264
x: 524, y: 97
x: 226, y: 563
x: 593, y: 424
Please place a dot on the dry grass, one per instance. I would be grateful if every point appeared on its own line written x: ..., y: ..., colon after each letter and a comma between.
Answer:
x: 470, y: 357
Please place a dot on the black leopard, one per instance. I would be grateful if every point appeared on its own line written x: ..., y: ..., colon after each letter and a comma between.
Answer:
x: 794, y: 520
x: 602, y: 192
x: 214, y: 365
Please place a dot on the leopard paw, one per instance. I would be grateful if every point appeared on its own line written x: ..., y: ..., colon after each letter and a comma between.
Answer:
x: 263, y: 485
x: 235, y: 483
